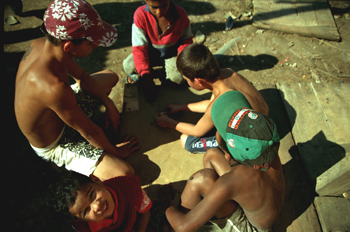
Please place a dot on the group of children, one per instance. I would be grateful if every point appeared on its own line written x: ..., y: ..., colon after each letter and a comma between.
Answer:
x: 242, y: 180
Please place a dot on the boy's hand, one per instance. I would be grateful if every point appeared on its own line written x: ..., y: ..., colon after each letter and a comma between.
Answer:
x: 162, y: 120
x: 172, y: 108
x: 127, y: 146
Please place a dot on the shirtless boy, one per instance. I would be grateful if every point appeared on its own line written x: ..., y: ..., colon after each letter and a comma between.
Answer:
x: 46, y: 107
x: 201, y: 70
x: 249, y: 189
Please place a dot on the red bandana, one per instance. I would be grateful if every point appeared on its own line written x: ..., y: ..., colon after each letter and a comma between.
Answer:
x: 77, y: 19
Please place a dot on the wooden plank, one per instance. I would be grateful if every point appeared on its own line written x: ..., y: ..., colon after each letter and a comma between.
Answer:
x: 305, y: 115
x: 336, y: 180
x: 333, y: 213
x: 311, y: 131
x: 297, y: 213
x: 334, y: 100
x: 307, y: 221
x: 323, y: 14
x: 131, y: 99
x: 306, y: 14
x: 304, y: 18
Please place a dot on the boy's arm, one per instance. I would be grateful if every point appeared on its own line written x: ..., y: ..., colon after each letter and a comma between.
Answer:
x: 89, y: 85
x: 254, y: 97
x: 218, y: 195
x: 140, y: 44
x: 63, y: 102
x: 203, y: 126
x: 197, y: 107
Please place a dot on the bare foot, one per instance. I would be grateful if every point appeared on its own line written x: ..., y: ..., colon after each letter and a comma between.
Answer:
x: 128, y: 146
x: 133, y: 78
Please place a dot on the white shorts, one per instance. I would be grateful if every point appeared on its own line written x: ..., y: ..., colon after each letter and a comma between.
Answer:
x: 70, y: 149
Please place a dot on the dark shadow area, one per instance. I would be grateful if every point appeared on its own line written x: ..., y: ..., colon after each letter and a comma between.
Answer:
x: 309, y: 160
x: 28, y: 177
x: 22, y: 35
x: 319, y: 154
x: 242, y: 62
x: 163, y: 196
x: 338, y: 10
x: 299, y: 193
x: 280, y: 110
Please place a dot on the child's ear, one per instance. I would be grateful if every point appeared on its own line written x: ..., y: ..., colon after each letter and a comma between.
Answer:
x: 95, y: 179
x: 67, y: 45
x: 199, y: 81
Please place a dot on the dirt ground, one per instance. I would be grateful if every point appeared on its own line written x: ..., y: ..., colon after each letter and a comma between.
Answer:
x: 263, y: 57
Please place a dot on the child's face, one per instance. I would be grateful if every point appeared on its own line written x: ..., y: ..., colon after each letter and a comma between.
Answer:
x: 158, y: 8
x: 93, y: 203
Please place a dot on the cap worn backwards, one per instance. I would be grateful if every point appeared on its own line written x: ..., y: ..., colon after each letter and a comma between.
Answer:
x: 249, y: 135
x: 77, y: 19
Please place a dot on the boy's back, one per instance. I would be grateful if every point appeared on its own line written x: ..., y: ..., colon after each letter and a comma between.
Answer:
x: 249, y: 197
x: 35, y: 85
x: 230, y: 80
x: 260, y: 192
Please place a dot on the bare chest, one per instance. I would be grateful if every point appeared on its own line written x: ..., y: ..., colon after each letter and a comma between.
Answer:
x: 163, y: 25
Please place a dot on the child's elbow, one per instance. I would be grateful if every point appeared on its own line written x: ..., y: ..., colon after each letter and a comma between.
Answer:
x: 184, y: 228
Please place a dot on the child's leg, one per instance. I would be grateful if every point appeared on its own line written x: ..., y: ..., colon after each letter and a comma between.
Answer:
x: 171, y: 71
x: 197, y: 187
x: 129, y: 65
x: 110, y: 166
x: 214, y: 159
x: 106, y: 79
x: 198, y: 145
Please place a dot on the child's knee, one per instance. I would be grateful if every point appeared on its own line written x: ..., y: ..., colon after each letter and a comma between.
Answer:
x: 183, y: 139
x: 114, y: 78
x: 204, y: 176
x: 129, y: 65
x: 211, y: 154
x: 171, y: 71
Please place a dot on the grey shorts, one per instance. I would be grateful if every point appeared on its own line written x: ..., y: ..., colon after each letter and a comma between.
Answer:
x: 237, y: 222
x: 202, y: 144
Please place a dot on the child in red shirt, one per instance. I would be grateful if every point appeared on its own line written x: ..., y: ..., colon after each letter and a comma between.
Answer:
x: 160, y: 31
x: 103, y: 206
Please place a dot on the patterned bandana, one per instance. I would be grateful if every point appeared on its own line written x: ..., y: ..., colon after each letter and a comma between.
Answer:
x: 77, y: 19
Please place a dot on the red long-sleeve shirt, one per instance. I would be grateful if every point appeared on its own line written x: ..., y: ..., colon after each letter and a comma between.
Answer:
x: 145, y: 32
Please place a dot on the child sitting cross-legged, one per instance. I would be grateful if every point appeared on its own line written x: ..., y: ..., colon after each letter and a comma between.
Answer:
x: 94, y: 205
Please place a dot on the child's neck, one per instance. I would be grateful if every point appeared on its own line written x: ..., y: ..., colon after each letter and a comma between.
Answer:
x: 219, y: 87
x: 163, y: 23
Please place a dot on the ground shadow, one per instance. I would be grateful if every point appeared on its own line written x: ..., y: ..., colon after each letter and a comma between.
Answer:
x: 319, y: 154
x: 309, y: 160
x: 280, y: 110
x: 242, y: 62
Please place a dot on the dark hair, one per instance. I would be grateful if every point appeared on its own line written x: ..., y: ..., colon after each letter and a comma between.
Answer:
x: 56, y: 41
x: 64, y: 191
x: 196, y: 61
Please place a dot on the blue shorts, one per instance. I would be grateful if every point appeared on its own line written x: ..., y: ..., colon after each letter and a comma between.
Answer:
x: 201, y: 145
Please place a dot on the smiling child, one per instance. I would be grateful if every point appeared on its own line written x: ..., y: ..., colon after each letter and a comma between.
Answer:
x: 94, y: 205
